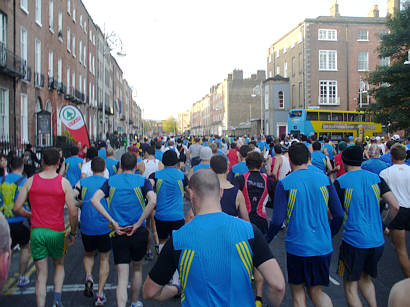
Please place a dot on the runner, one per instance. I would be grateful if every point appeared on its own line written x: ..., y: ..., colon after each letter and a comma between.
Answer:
x: 112, y: 164
x: 397, y: 178
x: 126, y: 192
x: 320, y: 160
x: 194, y: 151
x: 212, y: 278
x: 182, y: 156
x: 158, y: 151
x: 102, y: 150
x: 239, y: 168
x: 232, y: 155
x: 362, y: 242
x: 10, y: 187
x: 329, y: 150
x: 387, y: 157
x: 48, y: 192
x: 374, y: 164
x: 256, y: 188
x: 94, y: 231
x: 151, y: 163
x: 86, y: 168
x: 205, y: 156
x: 338, y: 159
x: 73, y: 166
x: 304, y: 204
x: 282, y: 166
x: 232, y: 200
x: 5, y: 250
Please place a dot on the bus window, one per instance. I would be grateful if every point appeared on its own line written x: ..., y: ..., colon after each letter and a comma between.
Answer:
x: 323, y: 135
x: 295, y: 114
x: 312, y: 116
x: 337, y: 136
x: 337, y: 117
x: 324, y: 116
x: 353, y: 117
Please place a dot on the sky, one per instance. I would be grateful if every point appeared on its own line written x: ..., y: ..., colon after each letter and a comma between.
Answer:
x: 178, y: 49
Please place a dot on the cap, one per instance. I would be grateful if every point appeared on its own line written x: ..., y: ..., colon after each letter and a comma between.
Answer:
x: 377, y: 138
x: 350, y: 138
x: 170, y: 158
x: 353, y: 156
x: 205, y: 154
x: 395, y: 138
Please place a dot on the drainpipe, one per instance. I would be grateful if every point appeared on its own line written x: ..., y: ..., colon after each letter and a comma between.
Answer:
x: 14, y: 79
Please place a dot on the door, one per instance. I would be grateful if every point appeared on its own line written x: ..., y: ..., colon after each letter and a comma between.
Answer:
x: 282, y: 131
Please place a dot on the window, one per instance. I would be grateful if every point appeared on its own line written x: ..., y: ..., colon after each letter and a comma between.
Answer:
x: 60, y: 70
x: 277, y: 53
x: 85, y: 56
x: 81, y: 21
x: 68, y: 39
x: 73, y: 46
x: 363, y: 61
x: 68, y: 80
x: 73, y: 80
x: 38, y: 12
x: 91, y: 36
x: 284, y: 48
x: 363, y: 35
x: 50, y: 63
x: 37, y: 56
x: 324, y: 116
x: 300, y: 63
x: 293, y: 66
x: 328, y: 92
x: 364, y: 97
x: 85, y: 26
x: 327, y: 35
x: 328, y: 60
x: 384, y: 61
x: 60, y: 25
x: 4, y: 113
x: 93, y: 65
x: 24, y: 119
x: 69, y: 7
x: 281, y: 100
x: 89, y: 62
x: 50, y: 16
x: 278, y: 70
x: 85, y: 85
x: 24, y: 5
x: 80, y: 52
x: 301, y: 100
x: 3, y: 28
x: 74, y: 19
x: 285, y: 69
x: 80, y: 83
x: 337, y: 117
x: 94, y: 95
x: 352, y: 117
x: 312, y: 115
x: 300, y: 37
x: 90, y: 94
x: 23, y: 44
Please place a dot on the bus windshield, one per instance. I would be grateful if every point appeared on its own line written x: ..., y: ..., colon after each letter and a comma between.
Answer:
x: 295, y: 114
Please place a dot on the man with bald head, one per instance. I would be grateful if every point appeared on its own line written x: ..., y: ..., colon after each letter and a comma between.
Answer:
x: 4, y: 250
x: 214, y: 254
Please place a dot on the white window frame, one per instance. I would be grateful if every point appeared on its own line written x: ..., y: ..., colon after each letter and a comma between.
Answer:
x: 38, y: 13
x: 73, y: 80
x: 24, y: 6
x: 50, y: 64
x: 85, y: 55
x: 80, y: 52
x: 68, y: 40
x: 69, y: 7
x: 365, y: 62
x: 80, y: 83
x: 360, y: 38
x: 4, y: 113
x: 283, y: 99
x: 74, y: 18
x: 60, y: 70
x: 84, y: 86
x: 364, y: 88
x: 384, y: 61
x: 23, y: 46
x: 277, y: 53
x: 326, y: 54
x: 60, y: 26
x: 3, y: 28
x: 285, y: 69
x: 37, y: 58
x: 68, y: 79
x: 73, y: 46
x: 284, y: 49
x: 51, y: 16
x: 327, y: 98
x: 89, y: 61
x: 327, y: 35
x: 278, y: 70
x: 24, y: 118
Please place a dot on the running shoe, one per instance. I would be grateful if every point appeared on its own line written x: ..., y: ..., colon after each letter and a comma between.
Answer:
x: 101, y: 300
x: 137, y: 304
x: 88, y: 288
x: 23, y: 281
x: 258, y: 303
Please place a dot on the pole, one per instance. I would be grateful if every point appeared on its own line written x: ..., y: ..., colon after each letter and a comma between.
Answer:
x: 103, y: 108
x: 262, y: 121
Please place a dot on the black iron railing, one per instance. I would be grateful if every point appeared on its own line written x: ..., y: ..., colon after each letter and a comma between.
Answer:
x: 11, y: 64
x: 38, y: 80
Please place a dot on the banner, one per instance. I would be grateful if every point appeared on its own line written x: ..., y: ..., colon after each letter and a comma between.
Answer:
x: 73, y: 120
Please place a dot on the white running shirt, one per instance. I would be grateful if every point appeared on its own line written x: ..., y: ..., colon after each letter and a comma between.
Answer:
x: 397, y: 178
x: 151, y: 166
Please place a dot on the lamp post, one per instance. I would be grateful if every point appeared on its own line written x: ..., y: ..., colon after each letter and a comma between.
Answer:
x: 111, y: 42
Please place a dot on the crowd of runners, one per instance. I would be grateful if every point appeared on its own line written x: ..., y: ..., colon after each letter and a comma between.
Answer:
x: 214, y: 251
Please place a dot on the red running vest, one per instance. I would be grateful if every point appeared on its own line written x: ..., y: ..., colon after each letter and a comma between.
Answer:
x: 47, y: 199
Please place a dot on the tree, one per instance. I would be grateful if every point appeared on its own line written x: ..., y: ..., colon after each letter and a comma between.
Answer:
x: 392, y: 83
x: 169, y: 125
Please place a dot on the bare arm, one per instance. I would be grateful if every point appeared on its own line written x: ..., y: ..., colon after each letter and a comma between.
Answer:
x: 152, y: 202
x: 269, y: 166
x: 241, y: 206
x: 276, y: 166
x: 393, y: 209
x: 62, y: 169
x: 71, y: 205
x: 21, y: 199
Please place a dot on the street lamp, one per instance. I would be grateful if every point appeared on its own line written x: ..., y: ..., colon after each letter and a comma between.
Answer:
x: 111, y: 42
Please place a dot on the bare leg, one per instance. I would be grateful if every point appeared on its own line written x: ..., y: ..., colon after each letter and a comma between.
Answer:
x: 122, y: 283
x: 136, y: 280
x: 318, y: 297
x: 88, y: 261
x: 352, y: 294
x: 104, y: 271
x: 398, y: 238
x: 298, y: 295
x: 258, y: 282
x: 58, y: 274
x: 366, y: 286
x: 41, y: 282
x: 399, y: 294
x: 24, y: 258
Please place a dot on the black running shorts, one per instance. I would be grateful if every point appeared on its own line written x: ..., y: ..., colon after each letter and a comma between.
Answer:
x: 20, y: 234
x: 127, y: 249
x: 101, y: 243
x: 311, y: 271
x: 402, y: 220
x: 165, y: 228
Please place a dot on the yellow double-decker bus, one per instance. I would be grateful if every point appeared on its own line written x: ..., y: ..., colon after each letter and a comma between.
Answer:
x: 337, y: 125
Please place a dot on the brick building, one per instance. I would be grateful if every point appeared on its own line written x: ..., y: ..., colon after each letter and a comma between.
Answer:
x: 326, y: 59
x: 49, y: 58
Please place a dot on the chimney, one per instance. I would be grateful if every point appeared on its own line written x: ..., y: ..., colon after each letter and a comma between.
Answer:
x: 374, y: 11
x: 334, y: 10
x: 393, y: 6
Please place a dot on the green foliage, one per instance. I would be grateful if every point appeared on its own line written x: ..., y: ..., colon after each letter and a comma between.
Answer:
x: 392, y: 83
x: 169, y: 125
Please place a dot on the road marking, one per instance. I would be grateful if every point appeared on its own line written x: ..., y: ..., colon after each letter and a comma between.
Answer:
x: 66, y: 288
x: 334, y: 281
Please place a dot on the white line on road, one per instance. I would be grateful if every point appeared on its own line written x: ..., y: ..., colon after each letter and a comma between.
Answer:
x: 334, y: 281
x: 66, y: 288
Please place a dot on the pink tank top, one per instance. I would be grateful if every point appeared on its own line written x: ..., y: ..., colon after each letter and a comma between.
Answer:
x: 47, y: 199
